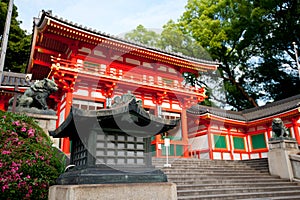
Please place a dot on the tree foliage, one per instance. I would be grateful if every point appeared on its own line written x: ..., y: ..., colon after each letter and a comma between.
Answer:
x: 19, y: 42
x: 251, y: 39
x: 253, y: 42
x: 173, y: 39
x: 143, y: 36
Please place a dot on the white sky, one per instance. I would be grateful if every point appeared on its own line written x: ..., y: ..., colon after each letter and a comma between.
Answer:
x: 109, y: 16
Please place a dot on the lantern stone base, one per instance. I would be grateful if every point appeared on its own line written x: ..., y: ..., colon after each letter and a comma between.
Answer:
x: 102, y: 174
x: 278, y: 157
x: 132, y: 191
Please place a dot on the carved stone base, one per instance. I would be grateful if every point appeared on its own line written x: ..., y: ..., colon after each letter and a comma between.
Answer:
x: 47, y: 123
x: 33, y: 110
x: 132, y: 191
x: 102, y: 174
x: 295, y: 161
x: 278, y: 157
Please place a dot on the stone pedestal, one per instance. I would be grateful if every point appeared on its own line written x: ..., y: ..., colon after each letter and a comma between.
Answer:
x: 278, y: 157
x: 47, y: 123
x: 132, y: 191
x: 295, y: 161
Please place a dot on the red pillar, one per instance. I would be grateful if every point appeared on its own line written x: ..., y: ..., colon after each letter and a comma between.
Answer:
x: 296, y: 129
x: 230, y: 143
x: 184, y: 130
x: 66, y: 141
x: 157, y: 137
x: 210, y: 144
x: 248, y: 146
x: 269, y: 132
x: 3, y: 100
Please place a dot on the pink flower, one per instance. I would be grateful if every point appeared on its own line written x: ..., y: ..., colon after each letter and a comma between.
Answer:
x: 29, y: 191
x: 14, y: 133
x: 13, y: 164
x: 4, y: 152
x: 28, y: 176
x: 4, y: 187
x: 30, y: 132
x: 4, y: 117
x: 17, y: 123
x: 23, y: 129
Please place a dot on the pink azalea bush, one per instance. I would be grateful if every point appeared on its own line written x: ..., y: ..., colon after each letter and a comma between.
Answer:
x: 28, y: 162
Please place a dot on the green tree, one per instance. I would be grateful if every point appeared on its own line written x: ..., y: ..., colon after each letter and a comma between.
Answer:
x: 253, y: 42
x: 18, y: 47
x: 143, y: 36
x: 173, y: 39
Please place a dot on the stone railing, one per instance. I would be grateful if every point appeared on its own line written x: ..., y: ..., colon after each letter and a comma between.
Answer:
x: 295, y: 162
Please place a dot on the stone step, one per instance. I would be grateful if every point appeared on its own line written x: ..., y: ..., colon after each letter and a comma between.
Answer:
x: 219, y: 177
x: 251, y: 195
x: 233, y: 185
x: 212, y: 170
x: 198, y: 163
x: 257, y: 160
x: 296, y: 197
x: 232, y: 191
x: 216, y: 173
x: 205, y: 166
x: 221, y: 181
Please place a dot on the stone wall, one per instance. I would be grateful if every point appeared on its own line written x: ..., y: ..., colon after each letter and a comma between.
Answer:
x: 295, y: 161
x: 47, y: 123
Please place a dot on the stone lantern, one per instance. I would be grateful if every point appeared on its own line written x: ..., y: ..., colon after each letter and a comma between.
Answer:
x: 112, y: 145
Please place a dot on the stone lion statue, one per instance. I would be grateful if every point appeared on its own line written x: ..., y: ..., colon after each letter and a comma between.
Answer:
x: 36, y: 95
x: 278, y: 128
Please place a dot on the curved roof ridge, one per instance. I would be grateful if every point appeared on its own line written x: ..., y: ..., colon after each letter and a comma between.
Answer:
x: 251, y: 114
x: 201, y: 109
x: 272, y: 104
x: 103, y: 34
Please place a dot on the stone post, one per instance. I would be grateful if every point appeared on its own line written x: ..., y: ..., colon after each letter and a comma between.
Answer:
x: 47, y: 123
x: 295, y: 161
x: 278, y: 157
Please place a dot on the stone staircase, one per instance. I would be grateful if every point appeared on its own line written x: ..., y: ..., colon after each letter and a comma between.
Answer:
x: 218, y: 179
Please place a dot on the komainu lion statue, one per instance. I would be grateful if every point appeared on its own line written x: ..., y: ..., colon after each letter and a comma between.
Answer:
x: 278, y: 128
x: 36, y: 95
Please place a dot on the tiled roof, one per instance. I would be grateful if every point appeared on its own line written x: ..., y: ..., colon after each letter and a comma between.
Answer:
x: 75, y: 25
x: 15, y: 79
x: 272, y: 108
x: 250, y: 114
x: 200, y: 110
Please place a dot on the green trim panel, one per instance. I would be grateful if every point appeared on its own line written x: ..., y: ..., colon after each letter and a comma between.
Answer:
x: 153, y: 149
x: 171, y: 150
x: 179, y: 150
x: 258, y: 141
x: 239, y: 143
x: 220, y: 141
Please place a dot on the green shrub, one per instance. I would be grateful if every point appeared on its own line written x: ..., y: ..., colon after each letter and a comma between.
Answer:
x: 28, y: 162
